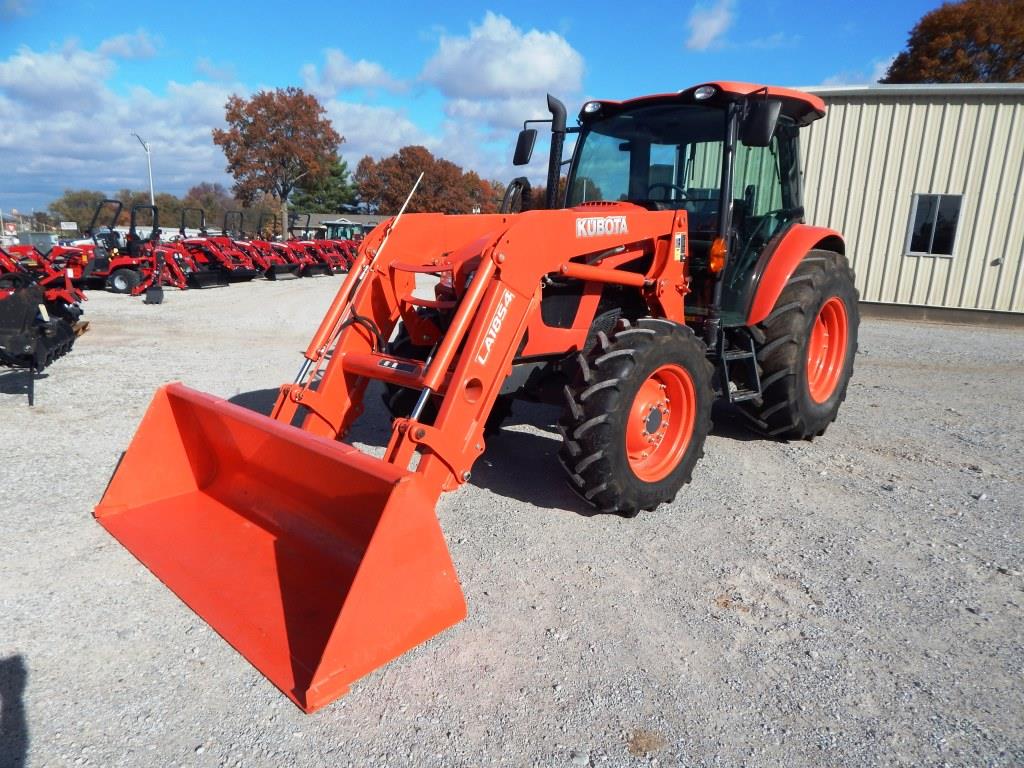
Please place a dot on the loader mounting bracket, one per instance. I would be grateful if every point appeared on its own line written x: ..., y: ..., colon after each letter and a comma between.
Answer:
x: 444, y: 448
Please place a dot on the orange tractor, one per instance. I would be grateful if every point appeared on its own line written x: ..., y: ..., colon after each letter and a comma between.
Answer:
x: 677, y: 271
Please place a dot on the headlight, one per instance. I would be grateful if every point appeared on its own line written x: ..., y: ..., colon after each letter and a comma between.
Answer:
x: 591, y: 107
x: 704, y: 92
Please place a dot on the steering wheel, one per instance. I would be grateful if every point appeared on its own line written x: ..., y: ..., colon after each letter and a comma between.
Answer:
x: 668, y: 189
x: 766, y: 219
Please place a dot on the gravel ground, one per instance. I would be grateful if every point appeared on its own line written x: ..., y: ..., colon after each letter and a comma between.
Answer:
x: 852, y: 601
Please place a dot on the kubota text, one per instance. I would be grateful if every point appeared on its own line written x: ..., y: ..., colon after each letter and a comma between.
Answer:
x: 593, y: 226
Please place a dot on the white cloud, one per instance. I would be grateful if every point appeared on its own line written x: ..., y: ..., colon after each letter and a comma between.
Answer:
x: 880, y: 67
x: 497, y: 60
x: 776, y: 40
x: 373, y: 130
x: 499, y: 114
x: 340, y: 73
x: 205, y: 67
x: 137, y: 45
x: 497, y: 76
x: 708, y: 24
x: 11, y: 8
x: 63, y: 77
x: 874, y: 72
x: 62, y: 127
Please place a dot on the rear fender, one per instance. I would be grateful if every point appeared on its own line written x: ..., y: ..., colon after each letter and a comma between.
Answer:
x: 779, y: 264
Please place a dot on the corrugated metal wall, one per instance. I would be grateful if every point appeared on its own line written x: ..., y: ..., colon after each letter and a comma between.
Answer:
x: 867, y: 158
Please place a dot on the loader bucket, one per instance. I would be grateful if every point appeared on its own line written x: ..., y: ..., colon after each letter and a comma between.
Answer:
x: 242, y: 274
x: 317, y: 562
x: 317, y: 270
x: 208, y: 278
x: 282, y: 271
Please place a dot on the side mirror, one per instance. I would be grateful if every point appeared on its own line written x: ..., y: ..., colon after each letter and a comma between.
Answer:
x: 759, y: 122
x: 524, y: 146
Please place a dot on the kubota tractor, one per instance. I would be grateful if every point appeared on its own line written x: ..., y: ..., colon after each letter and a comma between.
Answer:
x: 677, y: 271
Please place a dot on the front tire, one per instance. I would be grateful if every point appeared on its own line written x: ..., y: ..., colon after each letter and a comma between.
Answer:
x: 123, y: 280
x: 637, y: 414
x: 806, y: 349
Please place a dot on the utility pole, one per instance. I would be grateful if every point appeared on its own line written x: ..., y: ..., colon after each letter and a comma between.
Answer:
x: 149, y: 164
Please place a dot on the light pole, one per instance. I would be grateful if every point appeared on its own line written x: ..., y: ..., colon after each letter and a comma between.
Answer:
x: 149, y: 164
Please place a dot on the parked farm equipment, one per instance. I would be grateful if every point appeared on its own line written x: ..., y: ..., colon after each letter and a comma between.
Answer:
x: 677, y: 271
x: 273, y: 265
x: 325, y: 260
x: 40, y: 317
x: 345, y: 234
x: 164, y: 263
x: 106, y: 262
x: 214, y: 268
x: 279, y: 252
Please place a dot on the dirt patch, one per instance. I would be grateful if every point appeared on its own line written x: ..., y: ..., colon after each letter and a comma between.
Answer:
x: 643, y: 742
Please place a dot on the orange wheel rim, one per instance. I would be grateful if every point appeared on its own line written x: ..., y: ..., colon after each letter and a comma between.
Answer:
x: 826, y: 350
x: 660, y: 423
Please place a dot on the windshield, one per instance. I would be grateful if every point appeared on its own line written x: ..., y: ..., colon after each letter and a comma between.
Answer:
x: 669, y: 155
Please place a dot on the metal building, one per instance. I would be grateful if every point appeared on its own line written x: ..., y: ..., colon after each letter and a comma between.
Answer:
x: 926, y: 182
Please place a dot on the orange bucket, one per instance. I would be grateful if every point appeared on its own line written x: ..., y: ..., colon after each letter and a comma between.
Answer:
x: 317, y: 562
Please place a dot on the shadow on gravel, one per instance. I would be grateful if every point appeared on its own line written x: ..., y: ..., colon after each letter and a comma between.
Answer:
x: 19, y: 381
x: 524, y: 466
x: 13, y: 725
x: 518, y: 465
x: 372, y: 428
x: 731, y: 424
x: 259, y: 400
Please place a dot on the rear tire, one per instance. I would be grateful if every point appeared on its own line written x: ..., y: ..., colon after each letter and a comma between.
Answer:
x: 637, y: 414
x: 806, y: 349
x: 123, y: 280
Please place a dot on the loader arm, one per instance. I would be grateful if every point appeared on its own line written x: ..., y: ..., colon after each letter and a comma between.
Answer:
x: 512, y: 255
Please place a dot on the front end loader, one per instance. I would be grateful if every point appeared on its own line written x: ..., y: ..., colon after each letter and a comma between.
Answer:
x: 272, y: 264
x: 219, y: 260
x: 677, y: 270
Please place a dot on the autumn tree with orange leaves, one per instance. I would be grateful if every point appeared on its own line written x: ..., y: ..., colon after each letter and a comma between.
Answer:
x: 274, y: 140
x: 973, y: 41
x: 446, y: 188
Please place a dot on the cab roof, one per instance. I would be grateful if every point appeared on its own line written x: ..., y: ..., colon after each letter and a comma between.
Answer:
x: 803, y: 108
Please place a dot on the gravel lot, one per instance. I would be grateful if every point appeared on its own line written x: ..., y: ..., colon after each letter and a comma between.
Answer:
x: 852, y: 601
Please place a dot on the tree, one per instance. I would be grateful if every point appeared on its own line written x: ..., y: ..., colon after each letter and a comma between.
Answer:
x: 131, y: 198
x: 333, y: 194
x: 169, y: 207
x: 77, y: 205
x: 214, y: 199
x: 384, y: 185
x: 972, y: 41
x: 539, y: 195
x: 486, y: 195
x: 274, y: 140
x: 42, y: 221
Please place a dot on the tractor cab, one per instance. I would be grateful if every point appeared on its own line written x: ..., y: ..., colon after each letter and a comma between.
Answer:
x: 136, y: 244
x: 726, y: 153
x: 104, y: 235
x: 342, y: 229
x: 201, y: 220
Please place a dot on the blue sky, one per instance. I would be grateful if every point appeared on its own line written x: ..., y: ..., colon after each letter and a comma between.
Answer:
x: 458, y: 77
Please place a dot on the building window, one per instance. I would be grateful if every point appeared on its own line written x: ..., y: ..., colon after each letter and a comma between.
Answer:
x: 933, y: 222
